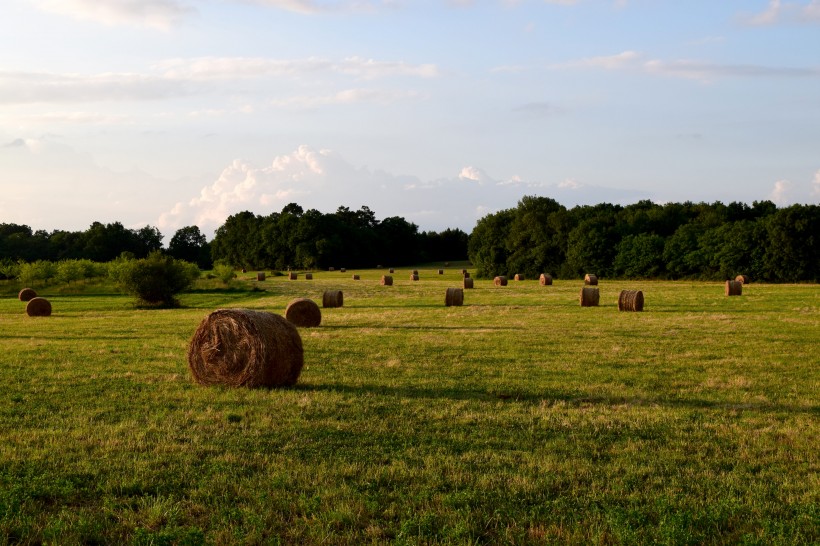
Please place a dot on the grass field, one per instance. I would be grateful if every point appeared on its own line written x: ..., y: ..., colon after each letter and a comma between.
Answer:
x: 519, y: 418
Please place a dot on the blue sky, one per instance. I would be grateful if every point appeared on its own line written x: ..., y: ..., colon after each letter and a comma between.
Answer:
x: 182, y: 112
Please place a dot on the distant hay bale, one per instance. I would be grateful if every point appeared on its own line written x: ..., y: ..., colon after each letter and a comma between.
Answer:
x: 356, y: 277
x: 331, y: 269
x: 454, y: 297
x: 446, y: 264
x: 387, y: 280
x: 26, y: 294
x: 343, y: 270
x: 468, y: 282
x: 378, y: 267
x: 304, y: 312
x: 391, y: 270
x: 441, y: 272
x: 545, y: 279
x: 308, y: 276
x: 293, y: 276
x: 332, y: 298
x: 519, y: 277
x: 245, y: 348
x: 501, y: 280
x: 464, y: 273
x: 38, y: 307
x: 415, y: 272
x: 590, y: 297
x: 591, y: 279
x: 414, y: 276
x: 244, y: 270
x: 260, y: 276
x: 630, y: 300
x: 743, y: 279
x: 733, y: 288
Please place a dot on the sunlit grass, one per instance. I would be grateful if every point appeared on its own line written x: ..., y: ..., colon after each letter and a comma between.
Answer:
x: 518, y: 418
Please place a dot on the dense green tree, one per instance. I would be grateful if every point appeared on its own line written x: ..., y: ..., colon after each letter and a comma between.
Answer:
x: 189, y: 244
x: 487, y: 247
x: 640, y: 256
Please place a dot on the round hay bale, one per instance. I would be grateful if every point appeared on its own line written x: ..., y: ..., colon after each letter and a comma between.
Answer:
x: 378, y: 267
x: 590, y: 297
x: 545, y: 279
x: 332, y: 298
x: 308, y: 276
x: 292, y: 276
x: 743, y: 279
x: 304, y: 312
x: 356, y: 277
x: 260, y: 276
x: 519, y: 277
x: 468, y: 282
x: 630, y: 300
x: 415, y: 272
x: 343, y: 270
x: 446, y: 264
x: 466, y: 275
x: 501, y: 280
x: 441, y: 272
x: 387, y: 280
x: 38, y: 307
x: 733, y: 288
x: 26, y: 294
x: 414, y: 276
x: 391, y: 270
x: 591, y: 279
x: 245, y: 348
x: 331, y: 269
x: 244, y: 270
x: 454, y: 297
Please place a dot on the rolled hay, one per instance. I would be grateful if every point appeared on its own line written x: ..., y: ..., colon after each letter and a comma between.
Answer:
x: 466, y: 275
x: 415, y: 272
x: 414, y: 276
x: 501, y: 280
x: 391, y: 270
x: 260, y: 276
x: 331, y: 269
x: 590, y: 297
x: 292, y: 276
x: 245, y: 348
x: 441, y: 272
x: 304, y: 312
x: 356, y: 277
x: 630, y: 300
x: 733, y: 288
x: 446, y: 264
x: 343, y: 270
x: 26, y: 294
x: 332, y: 298
x: 468, y: 282
x: 743, y: 279
x: 38, y: 307
x: 308, y: 276
x: 387, y: 280
x: 519, y: 277
x: 591, y: 279
x: 454, y: 297
x: 545, y: 279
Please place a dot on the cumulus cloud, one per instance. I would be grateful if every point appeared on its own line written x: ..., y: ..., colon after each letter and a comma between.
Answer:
x: 781, y: 192
x: 161, y: 14
x: 815, y: 191
x: 473, y: 174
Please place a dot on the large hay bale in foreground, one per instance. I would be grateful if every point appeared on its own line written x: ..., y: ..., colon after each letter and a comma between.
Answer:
x: 733, y: 288
x: 26, y: 294
x: 519, y: 277
x: 304, y: 312
x: 630, y: 300
x: 38, y: 307
x: 332, y: 298
x: 545, y: 279
x: 591, y: 279
x: 501, y: 280
x: 260, y: 276
x: 589, y: 297
x: 308, y: 276
x: 292, y: 276
x: 468, y: 282
x: 743, y: 279
x: 414, y: 276
x: 454, y: 297
x: 245, y: 348
x: 387, y: 280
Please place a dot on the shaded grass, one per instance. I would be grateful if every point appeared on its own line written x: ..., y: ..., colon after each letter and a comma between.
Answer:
x: 519, y: 418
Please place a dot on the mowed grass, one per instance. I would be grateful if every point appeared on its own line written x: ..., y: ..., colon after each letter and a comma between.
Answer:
x: 519, y: 418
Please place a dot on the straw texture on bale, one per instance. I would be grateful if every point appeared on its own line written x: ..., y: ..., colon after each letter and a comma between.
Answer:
x: 589, y: 297
x: 356, y: 277
x: 245, y: 348
x: 260, y: 276
x: 591, y: 279
x: 304, y: 312
x: 468, y: 282
x: 27, y: 294
x: 733, y: 288
x: 387, y: 280
x: 332, y: 298
x: 743, y: 279
x: 38, y: 307
x: 519, y: 277
x: 454, y: 297
x: 501, y: 280
x: 414, y: 276
x: 630, y: 300
x: 441, y: 272
x: 292, y: 276
x: 545, y: 279
x: 308, y: 276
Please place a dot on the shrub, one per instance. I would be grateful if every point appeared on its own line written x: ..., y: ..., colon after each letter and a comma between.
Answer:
x: 157, y: 279
x: 224, y: 272
x: 41, y: 270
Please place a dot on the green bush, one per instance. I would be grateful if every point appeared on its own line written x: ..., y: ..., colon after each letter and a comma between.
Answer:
x: 224, y: 272
x: 155, y: 280
x: 41, y: 270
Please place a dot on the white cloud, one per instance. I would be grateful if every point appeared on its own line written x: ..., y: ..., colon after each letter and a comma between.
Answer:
x: 347, y: 96
x: 784, y: 12
x: 315, y: 7
x: 570, y: 183
x: 625, y: 59
x: 816, y: 184
x: 472, y: 173
x: 781, y: 192
x: 161, y: 14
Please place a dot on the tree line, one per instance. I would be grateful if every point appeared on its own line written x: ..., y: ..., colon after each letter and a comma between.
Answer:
x: 643, y: 240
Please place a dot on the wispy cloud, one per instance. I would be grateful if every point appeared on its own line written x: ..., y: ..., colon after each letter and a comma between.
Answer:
x: 318, y: 7
x: 161, y: 14
x: 784, y: 12
x: 348, y: 96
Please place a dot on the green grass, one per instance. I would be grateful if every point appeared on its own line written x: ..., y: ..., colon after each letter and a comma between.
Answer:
x: 520, y: 418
